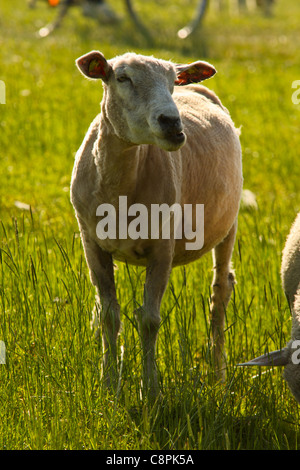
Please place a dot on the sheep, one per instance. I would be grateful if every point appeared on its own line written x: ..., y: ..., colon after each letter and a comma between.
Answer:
x: 290, y: 274
x: 265, y: 5
x: 156, y: 142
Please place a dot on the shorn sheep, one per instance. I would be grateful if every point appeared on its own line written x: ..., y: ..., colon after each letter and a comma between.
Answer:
x: 290, y: 355
x: 155, y: 144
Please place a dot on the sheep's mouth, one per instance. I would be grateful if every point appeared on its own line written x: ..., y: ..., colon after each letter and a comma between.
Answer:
x: 176, y: 138
x: 172, y: 141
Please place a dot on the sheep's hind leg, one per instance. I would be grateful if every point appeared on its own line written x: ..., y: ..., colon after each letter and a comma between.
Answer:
x: 222, y: 286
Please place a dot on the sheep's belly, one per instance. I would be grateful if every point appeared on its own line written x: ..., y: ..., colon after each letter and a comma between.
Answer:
x: 137, y: 252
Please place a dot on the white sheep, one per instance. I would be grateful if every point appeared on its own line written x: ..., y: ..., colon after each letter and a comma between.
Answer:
x: 290, y: 355
x: 155, y: 143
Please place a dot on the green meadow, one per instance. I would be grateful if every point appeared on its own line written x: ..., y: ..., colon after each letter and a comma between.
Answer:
x: 50, y: 387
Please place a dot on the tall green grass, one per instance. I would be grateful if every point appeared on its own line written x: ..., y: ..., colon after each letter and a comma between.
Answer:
x: 50, y: 388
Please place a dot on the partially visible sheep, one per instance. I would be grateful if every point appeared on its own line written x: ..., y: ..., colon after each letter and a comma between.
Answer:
x: 290, y: 355
x: 290, y: 272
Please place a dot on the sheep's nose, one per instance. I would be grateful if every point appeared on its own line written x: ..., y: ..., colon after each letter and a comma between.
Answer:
x: 170, y: 124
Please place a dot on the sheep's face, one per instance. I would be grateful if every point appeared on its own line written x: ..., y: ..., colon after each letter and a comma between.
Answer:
x: 139, y: 103
x: 288, y: 357
x: 138, y: 95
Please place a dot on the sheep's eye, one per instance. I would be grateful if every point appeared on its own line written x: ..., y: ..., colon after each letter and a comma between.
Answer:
x: 123, y: 78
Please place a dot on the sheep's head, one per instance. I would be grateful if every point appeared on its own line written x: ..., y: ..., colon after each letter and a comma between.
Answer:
x: 288, y: 357
x: 138, y: 95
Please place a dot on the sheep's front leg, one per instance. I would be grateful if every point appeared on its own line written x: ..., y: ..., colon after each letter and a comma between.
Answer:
x: 222, y: 286
x: 148, y: 315
x: 102, y: 276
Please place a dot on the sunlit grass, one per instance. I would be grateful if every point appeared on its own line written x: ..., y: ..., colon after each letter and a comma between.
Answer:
x: 50, y: 389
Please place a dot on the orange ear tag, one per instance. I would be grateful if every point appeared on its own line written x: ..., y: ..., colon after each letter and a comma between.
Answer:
x: 53, y: 3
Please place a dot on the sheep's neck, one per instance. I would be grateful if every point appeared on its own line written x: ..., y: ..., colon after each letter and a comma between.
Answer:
x: 117, y: 164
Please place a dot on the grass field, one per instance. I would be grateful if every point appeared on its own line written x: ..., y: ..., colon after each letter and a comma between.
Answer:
x: 50, y: 387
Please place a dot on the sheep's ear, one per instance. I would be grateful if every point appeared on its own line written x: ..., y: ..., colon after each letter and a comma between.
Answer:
x: 94, y: 65
x: 194, y: 72
x: 274, y: 358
